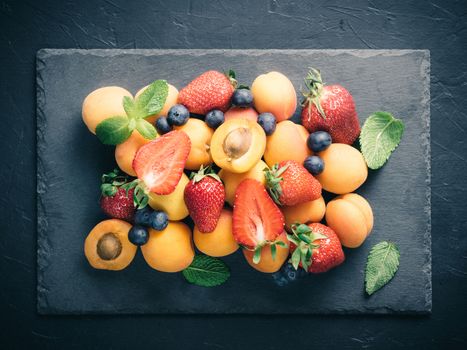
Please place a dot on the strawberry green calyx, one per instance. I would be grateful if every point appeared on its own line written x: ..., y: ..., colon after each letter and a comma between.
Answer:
x: 273, y: 181
x: 232, y: 77
x: 273, y: 245
x: 140, y: 194
x: 202, y: 173
x: 111, y: 182
x: 314, y: 84
x: 303, y: 237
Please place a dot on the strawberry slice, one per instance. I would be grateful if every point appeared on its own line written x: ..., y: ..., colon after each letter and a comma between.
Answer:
x: 256, y: 218
x: 159, y: 164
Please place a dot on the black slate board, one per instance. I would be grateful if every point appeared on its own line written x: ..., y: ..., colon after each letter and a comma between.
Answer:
x: 70, y: 161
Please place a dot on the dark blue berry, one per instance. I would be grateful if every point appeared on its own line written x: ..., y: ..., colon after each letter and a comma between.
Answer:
x: 178, y: 115
x: 163, y: 126
x: 242, y: 98
x: 287, y: 274
x: 319, y: 141
x: 138, y: 235
x: 214, y: 118
x: 267, y: 122
x: 159, y: 220
x: 143, y: 216
x: 314, y: 165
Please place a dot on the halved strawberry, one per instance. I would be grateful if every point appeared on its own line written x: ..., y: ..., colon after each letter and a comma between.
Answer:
x: 159, y: 164
x: 256, y: 218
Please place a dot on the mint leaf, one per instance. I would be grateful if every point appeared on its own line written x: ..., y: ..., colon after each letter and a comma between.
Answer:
x: 380, y: 136
x: 113, y: 131
x: 381, y: 265
x: 146, y: 129
x: 206, y: 271
x: 153, y: 98
x: 128, y: 105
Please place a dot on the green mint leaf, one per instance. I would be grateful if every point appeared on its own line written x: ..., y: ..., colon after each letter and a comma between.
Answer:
x: 206, y: 271
x: 128, y: 105
x: 153, y: 98
x: 380, y: 136
x: 113, y: 131
x: 382, y: 263
x: 146, y: 129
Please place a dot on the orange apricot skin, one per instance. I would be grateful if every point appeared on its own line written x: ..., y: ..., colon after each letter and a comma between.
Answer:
x: 171, y: 100
x: 304, y: 213
x: 219, y: 242
x: 125, y: 152
x: 288, y: 142
x: 118, y: 227
x: 239, y: 112
x: 266, y: 263
x: 200, y: 136
x: 274, y: 93
x: 351, y: 218
x: 345, y: 169
x: 170, y: 250
x: 103, y: 103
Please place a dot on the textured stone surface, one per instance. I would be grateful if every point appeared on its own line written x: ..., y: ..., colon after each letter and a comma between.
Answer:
x: 70, y: 161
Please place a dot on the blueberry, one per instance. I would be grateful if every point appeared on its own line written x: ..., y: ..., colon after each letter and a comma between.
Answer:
x: 163, y: 126
x: 242, y: 98
x: 143, y: 216
x: 178, y: 115
x: 319, y: 141
x: 159, y: 220
x: 287, y: 274
x: 214, y: 118
x: 314, y: 165
x: 138, y: 235
x: 267, y: 122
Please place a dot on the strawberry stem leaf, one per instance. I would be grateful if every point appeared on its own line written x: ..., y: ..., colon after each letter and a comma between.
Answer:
x: 257, y: 255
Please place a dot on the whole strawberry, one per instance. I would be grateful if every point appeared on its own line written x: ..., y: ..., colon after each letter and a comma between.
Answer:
x: 204, y: 198
x: 116, y: 201
x: 329, y: 108
x: 319, y: 248
x: 211, y: 90
x: 289, y: 183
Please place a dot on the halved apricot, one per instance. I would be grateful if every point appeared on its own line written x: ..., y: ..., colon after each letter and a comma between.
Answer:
x: 304, y: 213
x: 200, y: 135
x: 288, y: 142
x: 169, y: 102
x: 351, y: 218
x: 107, y: 246
x: 266, y: 263
x: 238, y: 144
x: 174, y: 203
x: 345, y: 169
x: 125, y: 152
x: 103, y: 103
x: 240, y: 112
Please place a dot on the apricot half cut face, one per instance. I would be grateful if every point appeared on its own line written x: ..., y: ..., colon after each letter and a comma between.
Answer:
x: 238, y: 145
x: 107, y: 246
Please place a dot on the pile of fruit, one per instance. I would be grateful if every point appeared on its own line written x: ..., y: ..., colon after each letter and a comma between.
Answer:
x: 228, y: 156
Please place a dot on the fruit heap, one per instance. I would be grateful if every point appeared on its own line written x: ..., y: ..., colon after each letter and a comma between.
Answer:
x: 228, y: 156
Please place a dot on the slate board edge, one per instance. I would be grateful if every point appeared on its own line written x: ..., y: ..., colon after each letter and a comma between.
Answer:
x: 42, y: 223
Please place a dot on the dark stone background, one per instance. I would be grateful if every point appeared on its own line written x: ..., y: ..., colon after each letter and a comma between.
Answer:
x: 26, y: 26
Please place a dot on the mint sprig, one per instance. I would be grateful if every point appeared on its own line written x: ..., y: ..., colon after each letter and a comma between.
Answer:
x: 117, y: 129
x: 381, y: 266
x: 380, y: 136
x: 206, y: 271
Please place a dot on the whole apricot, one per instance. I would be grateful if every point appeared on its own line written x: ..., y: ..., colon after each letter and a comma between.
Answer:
x: 288, y: 142
x: 219, y: 242
x: 125, y: 152
x: 238, y: 145
x: 351, y: 218
x: 169, y: 102
x: 345, y: 169
x: 304, y: 213
x: 266, y: 263
x: 200, y: 135
x: 274, y: 93
x: 239, y: 112
x: 170, y: 250
x: 107, y: 246
x: 232, y: 180
x: 173, y: 204
x: 103, y: 103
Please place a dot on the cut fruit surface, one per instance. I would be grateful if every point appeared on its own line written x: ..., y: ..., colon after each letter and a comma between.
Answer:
x: 256, y: 218
x: 159, y: 164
